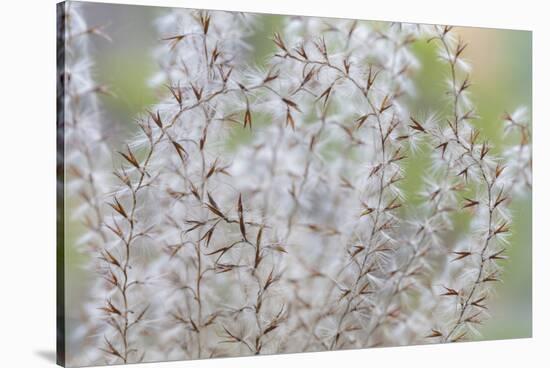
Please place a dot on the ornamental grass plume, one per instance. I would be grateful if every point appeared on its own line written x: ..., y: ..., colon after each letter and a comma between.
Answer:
x: 261, y: 209
x: 485, y: 182
x: 86, y: 154
x: 83, y: 155
x: 346, y: 98
x: 173, y: 210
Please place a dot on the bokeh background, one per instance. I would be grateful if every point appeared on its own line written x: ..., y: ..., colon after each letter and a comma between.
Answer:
x: 502, y: 81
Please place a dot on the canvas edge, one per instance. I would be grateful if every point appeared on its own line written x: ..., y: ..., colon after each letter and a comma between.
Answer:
x: 60, y: 184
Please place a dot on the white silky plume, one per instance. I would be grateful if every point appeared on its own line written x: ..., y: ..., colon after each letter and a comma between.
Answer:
x: 261, y: 209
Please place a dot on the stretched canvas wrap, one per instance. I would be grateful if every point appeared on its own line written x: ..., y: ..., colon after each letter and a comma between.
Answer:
x: 234, y: 184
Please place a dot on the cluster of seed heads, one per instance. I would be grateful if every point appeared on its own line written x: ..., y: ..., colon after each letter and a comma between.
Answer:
x: 300, y: 238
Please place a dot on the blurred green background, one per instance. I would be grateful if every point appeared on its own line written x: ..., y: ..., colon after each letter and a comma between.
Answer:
x: 502, y: 80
